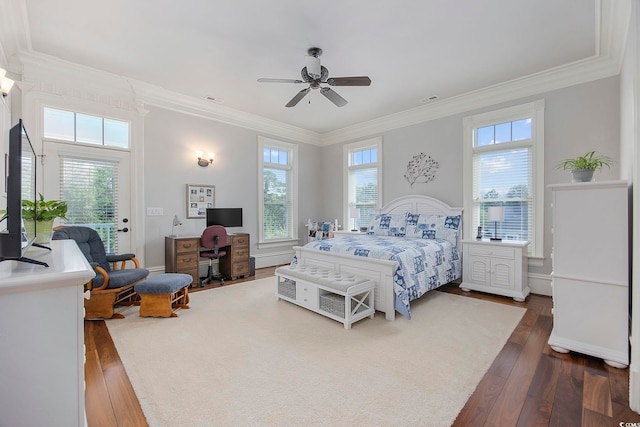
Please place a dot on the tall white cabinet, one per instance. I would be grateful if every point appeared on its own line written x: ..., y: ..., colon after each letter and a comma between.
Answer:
x: 42, y: 338
x: 590, y: 277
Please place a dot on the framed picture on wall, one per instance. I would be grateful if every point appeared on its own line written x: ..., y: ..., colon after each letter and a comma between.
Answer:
x: 199, y: 198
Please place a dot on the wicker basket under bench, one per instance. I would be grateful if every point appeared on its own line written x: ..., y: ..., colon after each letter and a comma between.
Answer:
x: 343, y: 297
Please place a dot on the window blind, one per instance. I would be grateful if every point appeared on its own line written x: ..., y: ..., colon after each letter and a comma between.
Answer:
x: 90, y: 189
x: 364, y: 181
x: 504, y: 178
x: 277, y: 204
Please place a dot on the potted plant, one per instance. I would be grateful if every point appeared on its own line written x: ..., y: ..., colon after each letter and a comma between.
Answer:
x: 44, y: 212
x: 582, y: 167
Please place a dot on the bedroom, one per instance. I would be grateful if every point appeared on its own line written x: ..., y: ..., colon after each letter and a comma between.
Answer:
x: 593, y: 111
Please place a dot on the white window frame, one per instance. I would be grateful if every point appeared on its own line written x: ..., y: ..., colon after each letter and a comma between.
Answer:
x: 535, y: 111
x: 293, y: 175
x: 347, y: 193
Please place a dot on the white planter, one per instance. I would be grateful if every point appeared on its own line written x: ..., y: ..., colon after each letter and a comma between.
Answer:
x: 582, y: 175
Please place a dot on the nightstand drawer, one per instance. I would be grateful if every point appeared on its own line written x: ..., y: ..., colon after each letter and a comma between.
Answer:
x: 492, y: 251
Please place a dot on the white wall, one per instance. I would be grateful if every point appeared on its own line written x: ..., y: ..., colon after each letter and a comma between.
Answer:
x: 170, y: 141
x: 578, y: 119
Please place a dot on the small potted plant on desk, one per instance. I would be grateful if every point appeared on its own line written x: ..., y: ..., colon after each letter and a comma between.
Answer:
x: 582, y: 167
x: 44, y: 212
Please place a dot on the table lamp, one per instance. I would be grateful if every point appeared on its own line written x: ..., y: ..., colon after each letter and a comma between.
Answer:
x: 496, y: 214
x: 354, y: 213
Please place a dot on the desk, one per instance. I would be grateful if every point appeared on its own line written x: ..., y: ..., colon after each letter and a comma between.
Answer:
x: 182, y: 255
x: 42, y: 337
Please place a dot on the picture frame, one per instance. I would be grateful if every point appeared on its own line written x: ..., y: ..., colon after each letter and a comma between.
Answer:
x: 199, y: 198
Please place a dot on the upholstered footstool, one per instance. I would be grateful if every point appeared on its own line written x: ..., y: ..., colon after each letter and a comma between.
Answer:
x: 163, y: 295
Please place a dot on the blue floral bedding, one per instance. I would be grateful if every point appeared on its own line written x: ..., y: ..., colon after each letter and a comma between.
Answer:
x: 423, y: 264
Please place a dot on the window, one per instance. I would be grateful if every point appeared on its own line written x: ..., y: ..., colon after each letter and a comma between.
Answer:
x: 503, y: 166
x: 84, y: 128
x: 363, y: 165
x: 278, y: 201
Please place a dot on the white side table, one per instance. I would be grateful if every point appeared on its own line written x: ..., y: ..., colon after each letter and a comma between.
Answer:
x: 497, y: 267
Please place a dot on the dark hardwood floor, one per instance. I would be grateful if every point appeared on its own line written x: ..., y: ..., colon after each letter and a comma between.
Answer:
x: 528, y: 384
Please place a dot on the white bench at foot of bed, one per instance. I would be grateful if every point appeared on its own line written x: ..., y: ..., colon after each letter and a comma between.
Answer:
x: 380, y: 272
x: 342, y: 297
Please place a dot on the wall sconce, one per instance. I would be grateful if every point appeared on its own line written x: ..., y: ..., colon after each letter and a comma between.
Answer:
x: 5, y: 83
x: 202, y: 161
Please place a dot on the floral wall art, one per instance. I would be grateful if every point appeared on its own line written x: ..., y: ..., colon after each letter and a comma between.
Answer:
x: 422, y: 169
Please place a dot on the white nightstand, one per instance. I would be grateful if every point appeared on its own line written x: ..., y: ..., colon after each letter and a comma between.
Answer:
x: 497, y: 267
x: 343, y: 233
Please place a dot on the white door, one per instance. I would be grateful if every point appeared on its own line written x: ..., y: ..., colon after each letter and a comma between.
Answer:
x: 95, y: 182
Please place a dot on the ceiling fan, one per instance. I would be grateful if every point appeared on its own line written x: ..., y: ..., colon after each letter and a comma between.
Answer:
x: 316, y: 74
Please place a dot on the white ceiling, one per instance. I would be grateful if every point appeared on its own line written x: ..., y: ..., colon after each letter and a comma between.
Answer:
x: 411, y: 49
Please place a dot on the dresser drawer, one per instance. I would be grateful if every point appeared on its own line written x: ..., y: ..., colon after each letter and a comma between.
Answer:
x: 187, y: 245
x: 240, y: 253
x: 492, y: 251
x: 186, y: 261
x: 241, y: 241
x: 240, y: 269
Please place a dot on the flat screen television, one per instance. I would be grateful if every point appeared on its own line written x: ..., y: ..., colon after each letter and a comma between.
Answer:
x: 226, y: 217
x: 20, y: 184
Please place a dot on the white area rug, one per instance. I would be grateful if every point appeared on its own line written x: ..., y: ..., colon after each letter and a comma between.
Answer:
x: 239, y: 357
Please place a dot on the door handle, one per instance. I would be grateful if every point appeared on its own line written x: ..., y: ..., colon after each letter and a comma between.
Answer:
x: 124, y: 230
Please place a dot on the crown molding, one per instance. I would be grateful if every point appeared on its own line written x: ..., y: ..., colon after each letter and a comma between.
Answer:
x: 153, y: 95
x: 557, y: 78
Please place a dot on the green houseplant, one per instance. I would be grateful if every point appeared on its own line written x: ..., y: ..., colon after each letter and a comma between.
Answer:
x: 44, y: 212
x: 582, y: 167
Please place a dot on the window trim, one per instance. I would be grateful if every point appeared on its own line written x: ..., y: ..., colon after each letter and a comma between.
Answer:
x: 534, y: 110
x: 347, y: 149
x: 293, y: 168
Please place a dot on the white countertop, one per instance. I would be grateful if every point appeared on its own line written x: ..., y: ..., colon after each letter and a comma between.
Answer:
x: 65, y: 261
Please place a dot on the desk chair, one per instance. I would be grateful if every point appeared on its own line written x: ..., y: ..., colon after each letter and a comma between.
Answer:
x: 213, y: 238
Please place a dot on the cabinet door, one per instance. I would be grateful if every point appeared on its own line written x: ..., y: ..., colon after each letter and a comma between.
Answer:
x: 478, y: 270
x: 503, y: 273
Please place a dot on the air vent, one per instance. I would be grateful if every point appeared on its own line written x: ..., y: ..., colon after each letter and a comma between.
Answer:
x: 429, y: 99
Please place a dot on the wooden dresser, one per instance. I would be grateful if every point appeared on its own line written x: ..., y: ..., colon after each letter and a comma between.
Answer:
x: 182, y: 255
x: 236, y: 263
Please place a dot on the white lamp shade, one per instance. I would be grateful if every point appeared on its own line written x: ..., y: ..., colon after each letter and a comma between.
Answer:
x: 6, y: 85
x: 313, y: 66
x: 354, y: 212
x: 496, y: 213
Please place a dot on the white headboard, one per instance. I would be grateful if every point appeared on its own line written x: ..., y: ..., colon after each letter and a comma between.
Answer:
x: 423, y: 205
x: 420, y: 205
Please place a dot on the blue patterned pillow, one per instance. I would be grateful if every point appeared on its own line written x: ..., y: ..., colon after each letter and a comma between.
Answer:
x: 388, y: 225
x: 434, y: 227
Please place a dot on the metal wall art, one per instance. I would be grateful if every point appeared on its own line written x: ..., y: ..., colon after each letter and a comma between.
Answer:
x: 421, y: 169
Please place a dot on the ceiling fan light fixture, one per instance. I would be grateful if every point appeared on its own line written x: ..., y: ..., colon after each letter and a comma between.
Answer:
x: 313, y: 67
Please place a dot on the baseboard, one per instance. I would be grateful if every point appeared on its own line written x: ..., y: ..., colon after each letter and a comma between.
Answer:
x: 634, y: 389
x: 274, y: 258
x: 539, y: 283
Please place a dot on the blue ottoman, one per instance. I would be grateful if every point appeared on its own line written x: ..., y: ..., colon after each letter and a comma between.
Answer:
x: 163, y: 295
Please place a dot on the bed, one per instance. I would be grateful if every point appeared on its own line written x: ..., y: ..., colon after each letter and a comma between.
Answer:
x: 412, y: 247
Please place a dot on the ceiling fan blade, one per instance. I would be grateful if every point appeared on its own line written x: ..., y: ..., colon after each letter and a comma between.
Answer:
x: 333, y: 96
x: 298, y: 97
x: 279, y: 81
x: 349, y: 81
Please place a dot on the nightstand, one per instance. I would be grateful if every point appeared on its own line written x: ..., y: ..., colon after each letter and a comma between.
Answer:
x: 497, y: 267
